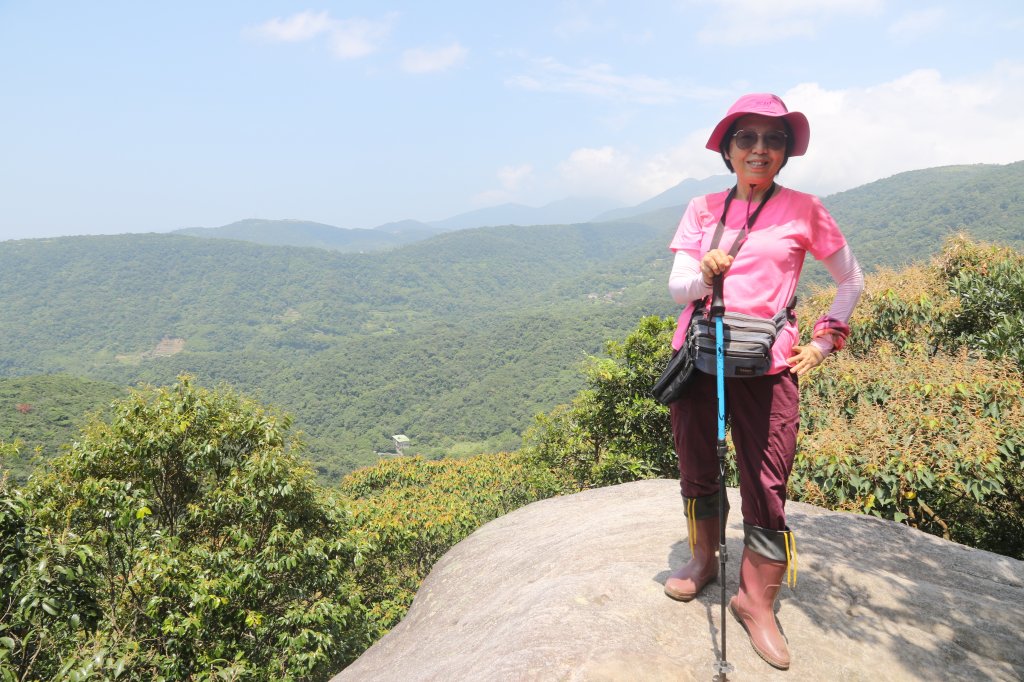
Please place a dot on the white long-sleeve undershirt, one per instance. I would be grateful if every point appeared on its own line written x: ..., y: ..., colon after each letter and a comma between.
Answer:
x: 686, y: 283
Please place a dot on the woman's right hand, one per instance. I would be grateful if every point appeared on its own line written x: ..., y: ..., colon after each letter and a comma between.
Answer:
x: 715, y: 262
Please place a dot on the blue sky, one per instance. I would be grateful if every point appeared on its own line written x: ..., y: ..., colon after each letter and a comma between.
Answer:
x: 150, y: 116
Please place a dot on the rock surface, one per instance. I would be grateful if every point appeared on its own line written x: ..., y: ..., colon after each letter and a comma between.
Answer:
x: 570, y: 588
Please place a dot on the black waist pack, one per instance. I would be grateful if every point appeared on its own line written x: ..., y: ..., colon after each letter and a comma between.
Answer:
x: 678, y: 373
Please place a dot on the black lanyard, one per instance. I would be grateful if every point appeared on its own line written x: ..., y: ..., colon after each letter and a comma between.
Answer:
x: 751, y: 219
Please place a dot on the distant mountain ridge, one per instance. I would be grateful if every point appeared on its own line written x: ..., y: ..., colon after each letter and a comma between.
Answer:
x: 904, y: 218
x: 562, y: 212
x: 316, y: 235
x: 391, y: 235
x: 679, y: 195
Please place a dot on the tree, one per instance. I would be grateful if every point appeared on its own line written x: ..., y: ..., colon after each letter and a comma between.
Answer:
x: 184, y: 539
x: 613, y: 431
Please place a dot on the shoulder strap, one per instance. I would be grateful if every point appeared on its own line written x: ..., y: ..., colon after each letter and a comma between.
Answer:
x: 742, y: 237
x: 721, y: 221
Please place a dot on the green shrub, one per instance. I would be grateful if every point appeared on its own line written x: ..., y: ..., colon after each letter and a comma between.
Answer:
x: 919, y: 419
x: 987, y: 283
x: 184, y: 539
x: 613, y: 431
x: 928, y: 441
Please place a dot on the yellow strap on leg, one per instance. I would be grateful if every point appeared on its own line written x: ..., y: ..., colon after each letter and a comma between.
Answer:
x: 791, y: 559
x: 691, y: 521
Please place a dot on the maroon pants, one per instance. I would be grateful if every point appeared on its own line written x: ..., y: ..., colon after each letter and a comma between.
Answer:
x: 764, y: 415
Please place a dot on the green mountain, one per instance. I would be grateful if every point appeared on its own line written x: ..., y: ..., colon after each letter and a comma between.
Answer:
x: 455, y: 342
x: 304, y: 233
x: 674, y: 197
x: 905, y: 218
x: 45, y: 411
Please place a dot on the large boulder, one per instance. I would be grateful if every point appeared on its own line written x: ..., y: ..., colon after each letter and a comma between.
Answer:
x: 570, y: 588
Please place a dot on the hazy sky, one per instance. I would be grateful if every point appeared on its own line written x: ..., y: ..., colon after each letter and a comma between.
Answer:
x: 149, y: 116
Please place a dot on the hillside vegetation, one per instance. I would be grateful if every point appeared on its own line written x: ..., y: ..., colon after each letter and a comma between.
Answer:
x: 44, y: 412
x: 906, y: 218
x: 182, y: 536
x: 456, y: 341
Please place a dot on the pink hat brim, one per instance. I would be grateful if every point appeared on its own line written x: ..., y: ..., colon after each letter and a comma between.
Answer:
x: 797, y: 124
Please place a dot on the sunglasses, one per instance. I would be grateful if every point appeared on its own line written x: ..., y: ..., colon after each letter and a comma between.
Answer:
x: 773, y: 139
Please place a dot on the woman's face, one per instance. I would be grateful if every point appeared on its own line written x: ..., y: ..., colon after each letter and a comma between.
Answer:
x: 760, y: 163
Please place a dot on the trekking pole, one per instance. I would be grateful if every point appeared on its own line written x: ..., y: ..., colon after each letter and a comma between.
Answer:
x: 722, y: 666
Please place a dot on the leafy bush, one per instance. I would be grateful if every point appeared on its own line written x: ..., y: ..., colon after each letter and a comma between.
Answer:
x: 987, y: 283
x: 920, y: 419
x: 613, y: 431
x: 928, y: 441
x: 185, y: 539
x: 182, y: 540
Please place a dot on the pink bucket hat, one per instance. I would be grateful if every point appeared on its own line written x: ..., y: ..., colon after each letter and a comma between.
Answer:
x: 764, y: 104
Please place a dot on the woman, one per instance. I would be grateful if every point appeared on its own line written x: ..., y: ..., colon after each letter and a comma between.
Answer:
x: 756, y: 139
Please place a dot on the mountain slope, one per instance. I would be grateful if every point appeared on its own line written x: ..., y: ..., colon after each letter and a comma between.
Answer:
x: 678, y: 195
x: 455, y: 341
x: 303, y: 233
x: 906, y: 217
x: 460, y: 339
x: 564, y: 211
x: 44, y: 411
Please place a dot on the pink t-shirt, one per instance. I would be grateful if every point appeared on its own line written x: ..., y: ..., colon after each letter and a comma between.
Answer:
x: 764, y: 276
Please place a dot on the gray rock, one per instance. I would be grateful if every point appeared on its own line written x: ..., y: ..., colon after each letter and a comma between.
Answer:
x: 571, y: 589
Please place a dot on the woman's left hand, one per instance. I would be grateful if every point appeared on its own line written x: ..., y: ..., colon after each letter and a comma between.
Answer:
x: 804, y: 359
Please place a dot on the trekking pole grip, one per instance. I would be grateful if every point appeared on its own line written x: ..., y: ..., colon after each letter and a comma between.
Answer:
x: 717, y: 297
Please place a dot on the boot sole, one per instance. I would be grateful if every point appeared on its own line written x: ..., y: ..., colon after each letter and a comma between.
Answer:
x: 689, y: 596
x: 681, y: 596
x: 775, y: 664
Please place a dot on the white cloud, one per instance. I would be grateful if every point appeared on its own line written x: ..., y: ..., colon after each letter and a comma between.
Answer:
x: 296, y: 28
x: 920, y: 120
x: 858, y: 135
x: 346, y: 38
x: 353, y: 38
x: 512, y: 179
x: 618, y: 174
x: 914, y: 24
x: 429, y: 61
x: 754, y: 22
x: 598, y: 80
